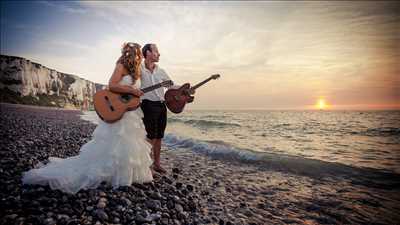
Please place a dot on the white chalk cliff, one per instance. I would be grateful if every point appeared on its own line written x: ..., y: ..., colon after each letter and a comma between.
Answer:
x: 26, y: 82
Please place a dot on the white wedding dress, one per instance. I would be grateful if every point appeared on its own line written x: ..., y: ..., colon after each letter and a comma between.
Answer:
x: 117, y: 153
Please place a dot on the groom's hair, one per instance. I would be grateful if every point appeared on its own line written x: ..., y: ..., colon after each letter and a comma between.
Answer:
x: 146, y: 47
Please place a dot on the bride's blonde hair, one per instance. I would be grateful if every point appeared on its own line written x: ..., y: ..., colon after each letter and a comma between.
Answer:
x: 131, y: 58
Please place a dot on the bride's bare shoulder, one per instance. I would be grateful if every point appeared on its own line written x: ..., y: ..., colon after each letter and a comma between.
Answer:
x: 118, y: 73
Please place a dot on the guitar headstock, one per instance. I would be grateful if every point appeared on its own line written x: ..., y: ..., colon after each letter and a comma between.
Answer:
x: 215, y: 76
x: 167, y: 83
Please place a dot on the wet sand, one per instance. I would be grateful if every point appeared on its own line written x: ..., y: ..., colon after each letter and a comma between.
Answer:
x: 197, y: 189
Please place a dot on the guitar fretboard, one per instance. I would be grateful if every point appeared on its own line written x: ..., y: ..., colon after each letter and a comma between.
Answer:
x: 203, y: 82
x: 147, y: 89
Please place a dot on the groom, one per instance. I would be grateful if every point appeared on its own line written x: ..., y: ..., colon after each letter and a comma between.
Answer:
x: 153, y: 106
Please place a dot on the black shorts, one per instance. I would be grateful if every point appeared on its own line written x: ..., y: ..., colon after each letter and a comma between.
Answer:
x: 155, y: 118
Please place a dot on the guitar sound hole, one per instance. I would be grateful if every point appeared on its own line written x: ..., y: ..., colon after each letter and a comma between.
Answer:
x: 109, y: 103
x: 125, y: 98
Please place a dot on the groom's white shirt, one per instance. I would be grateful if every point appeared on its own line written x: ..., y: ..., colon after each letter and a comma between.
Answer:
x: 148, y: 79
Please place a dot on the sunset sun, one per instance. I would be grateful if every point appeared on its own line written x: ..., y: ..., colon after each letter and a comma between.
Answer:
x: 321, y: 104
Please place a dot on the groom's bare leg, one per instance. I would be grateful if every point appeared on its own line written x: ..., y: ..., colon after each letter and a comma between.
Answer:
x: 157, y: 153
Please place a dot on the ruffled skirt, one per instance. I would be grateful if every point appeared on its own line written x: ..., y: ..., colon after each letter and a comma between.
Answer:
x: 118, y: 153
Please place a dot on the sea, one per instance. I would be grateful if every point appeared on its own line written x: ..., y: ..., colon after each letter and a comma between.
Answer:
x: 348, y: 139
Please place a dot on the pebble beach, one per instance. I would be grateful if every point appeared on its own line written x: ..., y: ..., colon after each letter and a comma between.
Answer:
x: 197, y: 188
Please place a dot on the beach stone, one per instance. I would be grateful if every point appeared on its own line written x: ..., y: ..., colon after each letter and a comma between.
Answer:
x: 165, y: 215
x: 192, y: 206
x: 205, y: 192
x: 164, y: 221
x: 115, y: 214
x: 189, y: 187
x: 156, y: 195
x: 248, y: 213
x: 175, y: 170
x: 64, y: 198
x: 101, y: 205
x: 176, y: 222
x: 178, y: 208
x: 183, y: 193
x: 141, y: 219
x: 155, y: 217
x: 170, y: 204
x: 11, y: 217
x: 153, y: 204
x: 176, y: 199
x: 141, y: 193
x: 116, y: 220
x: 182, y: 216
x: 99, y: 213
x: 126, y: 202
x: 50, y: 221
x: 62, y: 217
x: 76, y: 221
x: 167, y: 179
x: 103, y: 200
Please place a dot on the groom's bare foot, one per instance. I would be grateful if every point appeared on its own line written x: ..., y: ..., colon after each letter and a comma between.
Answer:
x: 159, y: 169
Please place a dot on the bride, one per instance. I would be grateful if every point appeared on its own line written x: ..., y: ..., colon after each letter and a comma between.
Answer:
x: 118, y: 152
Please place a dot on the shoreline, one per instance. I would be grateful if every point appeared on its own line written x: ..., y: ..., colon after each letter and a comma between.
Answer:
x: 197, y: 189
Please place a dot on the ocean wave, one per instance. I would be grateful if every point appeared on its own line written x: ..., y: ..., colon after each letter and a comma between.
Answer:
x: 382, y: 131
x: 377, y: 132
x: 286, y: 163
x: 217, y: 149
x: 204, y: 123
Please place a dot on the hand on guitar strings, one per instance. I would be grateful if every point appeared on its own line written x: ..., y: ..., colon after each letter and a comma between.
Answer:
x: 137, y: 92
x: 189, y: 91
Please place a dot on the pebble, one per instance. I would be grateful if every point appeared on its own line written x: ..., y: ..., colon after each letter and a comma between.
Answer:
x: 101, y: 205
x: 178, y: 208
x: 175, y: 170
x: 50, y: 221
x: 153, y: 204
x: 99, y: 213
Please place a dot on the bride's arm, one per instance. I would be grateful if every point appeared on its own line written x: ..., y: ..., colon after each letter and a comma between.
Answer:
x: 114, y: 86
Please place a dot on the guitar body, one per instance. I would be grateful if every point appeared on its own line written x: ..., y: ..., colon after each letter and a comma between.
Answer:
x: 176, y: 99
x: 111, y: 106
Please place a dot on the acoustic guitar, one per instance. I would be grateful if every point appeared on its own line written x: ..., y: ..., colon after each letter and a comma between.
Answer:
x: 111, y: 106
x: 176, y: 99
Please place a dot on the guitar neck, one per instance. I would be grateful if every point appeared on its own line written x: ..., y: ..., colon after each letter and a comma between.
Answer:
x: 147, y: 89
x: 201, y: 83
